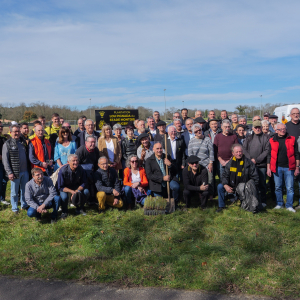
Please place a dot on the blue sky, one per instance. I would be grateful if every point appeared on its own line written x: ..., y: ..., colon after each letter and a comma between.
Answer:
x: 209, y: 54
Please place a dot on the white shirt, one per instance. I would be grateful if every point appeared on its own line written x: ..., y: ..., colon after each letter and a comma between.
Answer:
x: 173, y: 147
x: 153, y: 132
x: 135, y: 177
x: 110, y: 150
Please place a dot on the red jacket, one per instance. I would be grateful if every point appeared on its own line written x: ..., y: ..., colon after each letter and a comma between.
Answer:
x: 127, y: 177
x: 290, y: 150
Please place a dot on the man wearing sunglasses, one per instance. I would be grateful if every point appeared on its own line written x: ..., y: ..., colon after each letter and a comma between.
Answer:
x: 283, y: 162
x: 195, y: 181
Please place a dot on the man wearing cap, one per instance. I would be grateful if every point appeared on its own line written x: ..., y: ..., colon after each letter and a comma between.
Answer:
x: 195, y: 181
x: 256, y: 148
x: 283, y: 162
x: 160, y: 136
x: 239, y: 170
x: 266, y: 116
x: 202, y: 122
x: 145, y: 150
x: 273, y: 119
x: 156, y: 173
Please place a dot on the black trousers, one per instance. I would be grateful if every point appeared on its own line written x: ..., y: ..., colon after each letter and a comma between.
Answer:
x: 203, y: 196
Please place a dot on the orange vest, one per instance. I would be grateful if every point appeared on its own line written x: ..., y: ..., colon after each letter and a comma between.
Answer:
x: 39, y: 151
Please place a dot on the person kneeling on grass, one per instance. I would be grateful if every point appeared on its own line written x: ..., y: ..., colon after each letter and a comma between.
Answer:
x: 135, y: 181
x: 195, y: 181
x: 72, y: 181
x: 108, y: 185
x: 40, y: 195
x: 240, y: 180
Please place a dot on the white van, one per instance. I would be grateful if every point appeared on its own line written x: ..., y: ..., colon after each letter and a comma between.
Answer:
x: 285, y: 110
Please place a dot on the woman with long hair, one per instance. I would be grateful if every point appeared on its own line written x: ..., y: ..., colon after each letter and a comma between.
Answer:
x: 64, y: 146
x: 110, y: 147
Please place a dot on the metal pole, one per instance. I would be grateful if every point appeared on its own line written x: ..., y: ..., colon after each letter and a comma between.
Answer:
x: 90, y: 108
x: 260, y: 105
x: 165, y: 105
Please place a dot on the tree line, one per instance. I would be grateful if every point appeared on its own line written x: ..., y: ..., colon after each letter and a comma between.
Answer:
x: 28, y: 112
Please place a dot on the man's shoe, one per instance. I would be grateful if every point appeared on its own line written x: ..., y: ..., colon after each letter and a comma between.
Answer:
x: 64, y: 216
x: 263, y: 204
x: 16, y: 212
x: 101, y: 211
x: 278, y: 207
x: 5, y: 202
x: 220, y: 209
x: 82, y: 212
x: 297, y: 207
x: 25, y: 208
x: 291, y: 209
x: 53, y: 221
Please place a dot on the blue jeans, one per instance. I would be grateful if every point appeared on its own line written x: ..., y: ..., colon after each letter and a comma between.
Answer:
x: 221, y: 195
x: 64, y: 200
x: 55, y: 203
x: 174, y: 187
x: 3, y: 182
x: 15, y: 184
x: 221, y: 172
x: 288, y: 176
x: 128, y: 196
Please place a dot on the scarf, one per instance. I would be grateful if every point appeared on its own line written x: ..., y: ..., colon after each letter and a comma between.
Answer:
x: 236, y: 170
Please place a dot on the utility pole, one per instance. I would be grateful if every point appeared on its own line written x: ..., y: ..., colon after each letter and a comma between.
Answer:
x: 165, y: 105
x: 90, y: 108
x: 260, y: 105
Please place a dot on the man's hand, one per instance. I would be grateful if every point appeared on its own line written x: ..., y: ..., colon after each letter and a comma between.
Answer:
x: 210, y: 167
x: 11, y: 177
x: 116, y: 201
x: 50, y: 162
x: 182, y: 167
x: 253, y: 160
x: 269, y: 172
x: 143, y: 154
x: 167, y: 162
x: 228, y: 189
x: 41, y: 209
x: 167, y: 178
x: 141, y: 189
x: 116, y: 193
x: 222, y: 161
x: 296, y: 171
x: 44, y: 165
x: 135, y: 185
x: 203, y: 187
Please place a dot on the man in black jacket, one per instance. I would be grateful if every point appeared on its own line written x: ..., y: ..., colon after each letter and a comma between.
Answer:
x: 256, y: 147
x: 161, y: 131
x: 195, y: 181
x: 156, y: 173
x: 108, y: 186
x: 238, y: 170
x: 176, y: 149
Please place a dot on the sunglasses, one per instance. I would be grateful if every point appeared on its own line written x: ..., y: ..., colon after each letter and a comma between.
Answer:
x: 133, y: 161
x: 197, y: 131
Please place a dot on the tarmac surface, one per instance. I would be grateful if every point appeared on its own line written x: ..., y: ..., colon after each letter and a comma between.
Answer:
x: 32, y: 289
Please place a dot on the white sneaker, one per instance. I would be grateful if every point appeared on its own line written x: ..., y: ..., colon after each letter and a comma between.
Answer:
x: 60, y: 209
x: 5, y: 202
x: 72, y: 205
x: 291, y: 209
x: 278, y: 207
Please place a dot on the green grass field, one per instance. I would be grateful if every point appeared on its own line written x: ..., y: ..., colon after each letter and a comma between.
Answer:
x: 234, y: 251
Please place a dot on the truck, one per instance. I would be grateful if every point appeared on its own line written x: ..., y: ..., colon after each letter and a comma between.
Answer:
x: 285, y: 111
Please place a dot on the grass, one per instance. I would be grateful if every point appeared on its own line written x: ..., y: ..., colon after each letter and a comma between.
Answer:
x: 234, y: 251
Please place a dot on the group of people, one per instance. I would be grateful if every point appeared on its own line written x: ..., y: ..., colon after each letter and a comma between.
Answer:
x: 52, y: 167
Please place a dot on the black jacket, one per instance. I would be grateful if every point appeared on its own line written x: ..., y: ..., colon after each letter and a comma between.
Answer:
x: 85, y: 157
x: 159, y: 138
x: 81, y: 138
x: 180, y: 151
x: 257, y: 148
x: 193, y: 182
x: 106, y: 181
x: 208, y: 134
x: 249, y: 172
x: 129, y: 147
x: 154, y: 174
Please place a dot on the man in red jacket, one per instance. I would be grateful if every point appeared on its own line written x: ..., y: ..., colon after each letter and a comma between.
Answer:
x: 283, y: 162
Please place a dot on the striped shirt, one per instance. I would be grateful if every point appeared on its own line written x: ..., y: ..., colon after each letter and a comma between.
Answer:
x: 203, y: 148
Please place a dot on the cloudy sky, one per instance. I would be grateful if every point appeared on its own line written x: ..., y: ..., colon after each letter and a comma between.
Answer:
x: 205, y: 53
